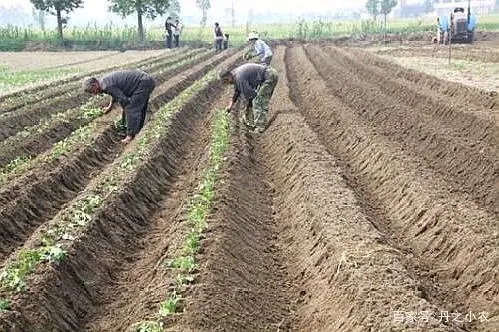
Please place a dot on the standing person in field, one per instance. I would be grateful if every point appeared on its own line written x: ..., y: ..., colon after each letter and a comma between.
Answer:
x: 130, y: 88
x: 261, y: 49
x: 256, y: 83
x: 169, y: 31
x: 219, y: 37
x: 177, y: 32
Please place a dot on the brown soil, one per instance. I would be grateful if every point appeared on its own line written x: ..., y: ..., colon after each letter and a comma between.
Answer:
x: 460, y: 94
x: 136, y: 289
x: 120, y: 232
x: 42, y: 141
x: 371, y: 197
x: 58, y: 182
x: 31, y: 96
x: 282, y: 255
x: 462, y: 148
x: 472, y: 53
x: 449, y: 241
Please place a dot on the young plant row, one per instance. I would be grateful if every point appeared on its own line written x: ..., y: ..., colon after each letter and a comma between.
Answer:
x: 186, y: 265
x: 32, y: 96
x: 66, y: 146
x: 79, y: 115
x: 74, y: 114
x: 80, y: 136
x: 71, y: 222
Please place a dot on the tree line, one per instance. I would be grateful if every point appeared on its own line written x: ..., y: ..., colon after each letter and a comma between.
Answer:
x: 141, y: 8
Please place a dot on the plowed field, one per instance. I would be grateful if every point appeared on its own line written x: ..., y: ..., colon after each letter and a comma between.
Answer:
x: 371, y: 203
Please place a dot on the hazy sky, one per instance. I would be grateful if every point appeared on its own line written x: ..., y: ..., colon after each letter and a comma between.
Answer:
x: 189, y: 6
x: 96, y: 10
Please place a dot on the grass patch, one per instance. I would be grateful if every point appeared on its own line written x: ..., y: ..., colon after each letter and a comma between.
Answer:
x: 13, y: 79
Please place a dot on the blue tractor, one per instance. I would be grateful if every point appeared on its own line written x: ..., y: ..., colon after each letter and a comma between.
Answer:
x: 458, y: 28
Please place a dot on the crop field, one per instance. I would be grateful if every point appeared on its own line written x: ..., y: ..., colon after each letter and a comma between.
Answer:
x: 20, y: 70
x: 369, y: 204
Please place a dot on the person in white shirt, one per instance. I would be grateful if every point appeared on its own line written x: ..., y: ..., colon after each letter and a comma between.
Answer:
x: 261, y: 49
x: 176, y: 32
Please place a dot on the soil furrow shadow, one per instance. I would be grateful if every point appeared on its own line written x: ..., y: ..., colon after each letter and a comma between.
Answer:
x: 467, y: 163
x: 37, y: 196
x: 412, y: 209
x: 242, y: 284
x: 142, y: 282
x: 14, y: 122
x: 61, y: 295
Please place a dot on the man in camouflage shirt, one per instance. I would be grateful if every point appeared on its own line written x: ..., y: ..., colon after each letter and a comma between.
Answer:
x: 130, y: 88
x: 256, y: 84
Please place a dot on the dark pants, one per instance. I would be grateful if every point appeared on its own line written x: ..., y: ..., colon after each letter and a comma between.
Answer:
x: 169, y: 39
x: 177, y: 40
x: 218, y: 44
x: 136, y: 110
x: 266, y: 61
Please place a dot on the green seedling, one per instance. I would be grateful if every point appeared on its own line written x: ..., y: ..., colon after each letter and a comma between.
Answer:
x: 170, y: 305
x: 5, y: 304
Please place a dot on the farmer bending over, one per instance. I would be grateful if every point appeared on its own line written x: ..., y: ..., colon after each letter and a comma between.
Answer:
x: 261, y: 49
x: 256, y: 83
x: 132, y: 89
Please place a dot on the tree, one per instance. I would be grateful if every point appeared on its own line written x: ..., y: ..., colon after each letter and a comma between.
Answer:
x: 39, y: 18
x: 372, y: 7
x: 57, y: 7
x: 428, y: 6
x: 386, y: 7
x: 174, y: 9
x: 204, y: 5
x: 148, y: 8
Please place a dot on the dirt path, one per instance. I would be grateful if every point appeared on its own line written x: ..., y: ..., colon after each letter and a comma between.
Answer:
x: 439, y: 231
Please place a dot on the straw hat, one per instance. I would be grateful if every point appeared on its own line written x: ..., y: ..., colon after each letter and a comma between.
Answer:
x: 252, y: 35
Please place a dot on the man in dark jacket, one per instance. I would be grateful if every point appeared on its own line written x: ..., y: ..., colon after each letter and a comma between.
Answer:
x: 256, y: 83
x: 169, y: 31
x: 130, y: 88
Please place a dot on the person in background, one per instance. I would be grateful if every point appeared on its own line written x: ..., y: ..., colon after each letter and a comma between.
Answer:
x: 219, y: 37
x: 169, y: 32
x: 177, y: 32
x: 261, y: 49
x: 131, y: 88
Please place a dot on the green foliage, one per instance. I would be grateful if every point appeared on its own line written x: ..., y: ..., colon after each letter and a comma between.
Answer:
x: 5, y: 304
x: 13, y: 277
x: 373, y: 8
x: 174, y: 9
x: 170, y: 305
x: 57, y: 7
x: 53, y: 6
x: 10, y: 80
x: 148, y: 8
x: 386, y: 6
x: 204, y: 5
